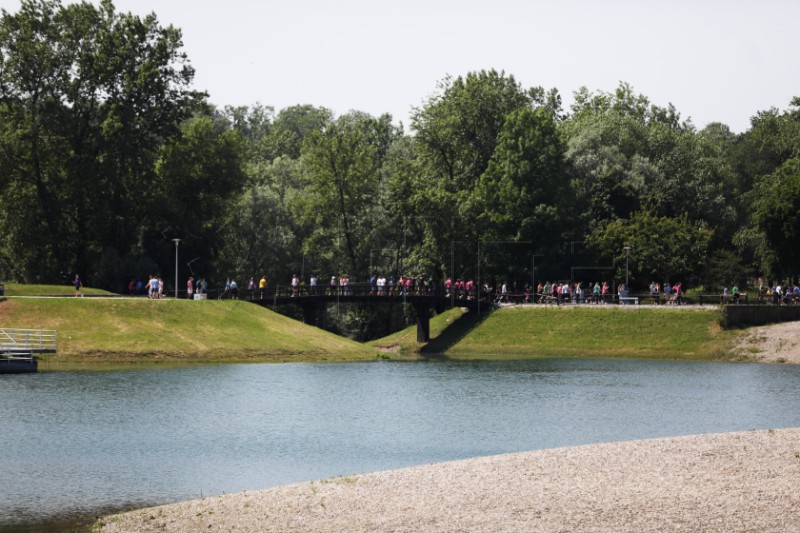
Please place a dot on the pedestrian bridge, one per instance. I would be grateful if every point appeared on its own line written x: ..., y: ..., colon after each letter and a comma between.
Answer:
x: 311, y: 299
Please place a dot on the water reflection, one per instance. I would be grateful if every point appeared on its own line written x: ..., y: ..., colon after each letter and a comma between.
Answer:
x: 78, y: 443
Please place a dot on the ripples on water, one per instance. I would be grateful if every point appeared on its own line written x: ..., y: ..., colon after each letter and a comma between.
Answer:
x: 79, y: 444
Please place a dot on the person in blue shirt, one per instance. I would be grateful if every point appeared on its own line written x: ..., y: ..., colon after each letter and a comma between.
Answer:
x: 78, y: 284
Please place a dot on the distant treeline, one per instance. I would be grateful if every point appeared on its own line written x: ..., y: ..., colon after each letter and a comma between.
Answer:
x: 107, y: 153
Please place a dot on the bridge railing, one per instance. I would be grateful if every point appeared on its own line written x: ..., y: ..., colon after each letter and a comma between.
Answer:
x: 352, y: 289
x: 493, y: 296
x: 364, y: 289
x: 358, y: 289
x: 27, y: 340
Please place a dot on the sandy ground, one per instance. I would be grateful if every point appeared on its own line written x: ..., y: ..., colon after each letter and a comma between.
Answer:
x: 710, y: 483
x: 776, y: 343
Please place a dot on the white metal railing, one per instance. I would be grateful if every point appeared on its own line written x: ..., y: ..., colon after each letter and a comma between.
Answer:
x: 14, y: 341
x: 10, y: 357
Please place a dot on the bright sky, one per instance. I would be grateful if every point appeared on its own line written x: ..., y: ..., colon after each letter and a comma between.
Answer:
x: 716, y: 61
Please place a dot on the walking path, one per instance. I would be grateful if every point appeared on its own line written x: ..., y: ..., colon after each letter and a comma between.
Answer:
x: 711, y: 483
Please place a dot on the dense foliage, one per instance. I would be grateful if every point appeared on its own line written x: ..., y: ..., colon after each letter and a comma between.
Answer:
x: 107, y: 153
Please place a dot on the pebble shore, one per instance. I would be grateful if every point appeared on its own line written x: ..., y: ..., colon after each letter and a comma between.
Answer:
x: 728, y: 482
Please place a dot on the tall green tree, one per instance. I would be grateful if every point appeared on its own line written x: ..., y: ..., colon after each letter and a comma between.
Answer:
x: 458, y: 129
x: 87, y: 97
x: 457, y: 134
x: 521, y: 193
x: 766, y: 161
x: 608, y: 153
x: 290, y: 129
x: 625, y: 155
x: 342, y: 165
x: 661, y: 248
x: 777, y: 217
x: 203, y: 168
x: 261, y: 234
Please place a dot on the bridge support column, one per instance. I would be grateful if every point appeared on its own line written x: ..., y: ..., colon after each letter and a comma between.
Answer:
x: 310, y: 313
x: 423, y: 323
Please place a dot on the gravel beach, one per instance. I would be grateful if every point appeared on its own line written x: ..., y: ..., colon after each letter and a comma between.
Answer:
x: 712, y: 483
x: 775, y: 343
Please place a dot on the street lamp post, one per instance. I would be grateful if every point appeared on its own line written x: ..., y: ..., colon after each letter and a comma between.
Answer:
x: 627, y: 256
x: 177, y: 242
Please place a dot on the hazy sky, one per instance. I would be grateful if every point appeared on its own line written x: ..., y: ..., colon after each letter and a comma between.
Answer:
x: 716, y: 61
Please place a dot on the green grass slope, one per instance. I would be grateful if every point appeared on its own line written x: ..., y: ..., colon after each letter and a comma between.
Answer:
x: 20, y: 289
x: 447, y: 325
x: 530, y: 332
x: 132, y: 330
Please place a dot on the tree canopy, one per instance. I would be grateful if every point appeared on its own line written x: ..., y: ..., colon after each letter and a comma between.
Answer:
x: 108, y: 152
x: 88, y: 96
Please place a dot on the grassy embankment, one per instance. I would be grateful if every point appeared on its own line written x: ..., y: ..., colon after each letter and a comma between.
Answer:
x: 19, y: 289
x: 519, y: 333
x: 140, y: 330
x: 122, y: 330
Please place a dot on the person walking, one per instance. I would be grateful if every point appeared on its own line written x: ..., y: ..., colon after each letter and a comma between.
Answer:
x: 251, y: 287
x: 312, y: 283
x: 333, y: 286
x: 78, y: 284
x: 152, y: 287
x: 234, y: 288
x: 678, y: 290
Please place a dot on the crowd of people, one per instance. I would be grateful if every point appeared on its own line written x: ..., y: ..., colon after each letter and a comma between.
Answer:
x: 558, y: 292
x: 153, y: 288
x: 378, y: 285
x: 778, y: 293
x: 467, y: 289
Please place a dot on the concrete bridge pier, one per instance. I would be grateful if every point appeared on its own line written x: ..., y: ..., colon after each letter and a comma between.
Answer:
x: 423, y: 322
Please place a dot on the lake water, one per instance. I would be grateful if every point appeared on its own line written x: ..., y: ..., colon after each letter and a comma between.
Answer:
x: 74, y: 445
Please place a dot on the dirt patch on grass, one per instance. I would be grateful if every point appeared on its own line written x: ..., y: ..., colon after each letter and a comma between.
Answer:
x: 393, y: 348
x: 6, y: 309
